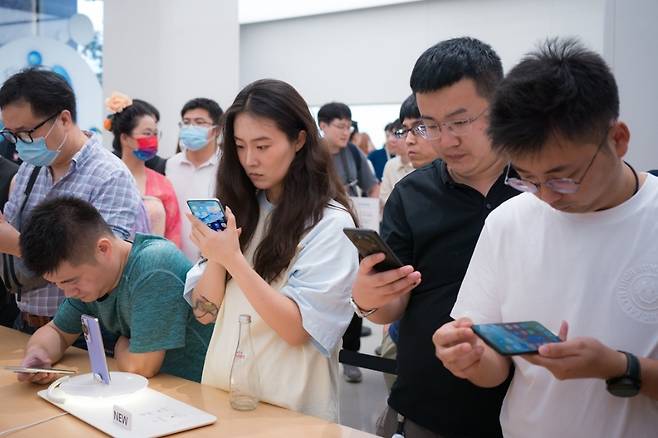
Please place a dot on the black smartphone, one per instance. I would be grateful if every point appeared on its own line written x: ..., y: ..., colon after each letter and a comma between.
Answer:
x: 368, y: 242
x: 512, y: 338
x: 209, y: 211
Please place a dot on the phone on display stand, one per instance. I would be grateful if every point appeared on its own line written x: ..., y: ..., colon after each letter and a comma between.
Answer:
x: 368, y: 242
x: 512, y: 338
x: 35, y: 370
x: 91, y: 330
x: 209, y: 211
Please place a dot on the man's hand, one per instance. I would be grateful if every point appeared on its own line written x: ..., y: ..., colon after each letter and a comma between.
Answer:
x: 465, y: 355
x: 374, y: 289
x: 38, y: 358
x: 458, y: 347
x: 579, y: 358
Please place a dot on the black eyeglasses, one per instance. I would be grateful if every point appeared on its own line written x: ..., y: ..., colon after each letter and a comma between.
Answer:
x: 416, y: 131
x: 24, y: 136
x: 565, y: 186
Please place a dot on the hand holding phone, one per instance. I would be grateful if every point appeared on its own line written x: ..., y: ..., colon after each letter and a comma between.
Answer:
x: 209, y: 211
x: 368, y: 242
x: 36, y: 358
x: 513, y: 338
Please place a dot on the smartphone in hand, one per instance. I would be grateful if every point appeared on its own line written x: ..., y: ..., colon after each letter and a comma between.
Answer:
x: 209, y: 211
x: 368, y: 242
x: 512, y: 338
x: 92, y: 332
x: 35, y: 370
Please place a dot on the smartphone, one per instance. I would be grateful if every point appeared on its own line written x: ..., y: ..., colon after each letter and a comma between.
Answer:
x: 511, y: 338
x: 34, y: 370
x: 209, y: 211
x: 91, y: 330
x: 368, y: 242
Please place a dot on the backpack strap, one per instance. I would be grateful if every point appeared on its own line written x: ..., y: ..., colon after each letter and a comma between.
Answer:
x: 28, y: 189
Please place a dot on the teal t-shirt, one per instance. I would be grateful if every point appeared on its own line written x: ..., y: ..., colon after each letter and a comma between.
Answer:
x: 148, y: 307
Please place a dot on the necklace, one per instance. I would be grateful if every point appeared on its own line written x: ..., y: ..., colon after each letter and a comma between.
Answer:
x: 637, y: 179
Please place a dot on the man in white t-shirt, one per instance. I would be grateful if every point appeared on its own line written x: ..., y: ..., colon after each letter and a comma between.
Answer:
x: 577, y: 253
x: 193, y: 171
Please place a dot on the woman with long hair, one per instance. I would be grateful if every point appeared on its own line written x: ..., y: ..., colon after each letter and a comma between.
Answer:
x: 283, y: 257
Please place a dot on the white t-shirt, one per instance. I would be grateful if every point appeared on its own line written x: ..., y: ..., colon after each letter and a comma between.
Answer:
x: 319, y: 280
x: 190, y: 181
x: 599, y: 272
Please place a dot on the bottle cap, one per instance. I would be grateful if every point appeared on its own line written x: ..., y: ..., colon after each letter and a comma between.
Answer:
x: 245, y: 318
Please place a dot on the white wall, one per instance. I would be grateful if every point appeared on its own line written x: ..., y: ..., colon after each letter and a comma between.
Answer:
x: 169, y: 51
x: 632, y: 50
x: 366, y: 56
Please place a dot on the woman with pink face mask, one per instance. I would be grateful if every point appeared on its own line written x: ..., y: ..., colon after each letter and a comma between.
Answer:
x: 134, y: 124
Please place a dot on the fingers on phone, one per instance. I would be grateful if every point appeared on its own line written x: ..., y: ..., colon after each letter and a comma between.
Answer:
x: 369, y: 262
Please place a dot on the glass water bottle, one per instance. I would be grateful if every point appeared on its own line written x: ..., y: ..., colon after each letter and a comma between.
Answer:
x: 244, y: 391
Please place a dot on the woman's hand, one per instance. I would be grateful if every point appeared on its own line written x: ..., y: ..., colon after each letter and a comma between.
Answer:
x: 221, y: 247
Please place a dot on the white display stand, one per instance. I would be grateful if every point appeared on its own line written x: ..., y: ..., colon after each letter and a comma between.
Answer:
x: 126, y: 407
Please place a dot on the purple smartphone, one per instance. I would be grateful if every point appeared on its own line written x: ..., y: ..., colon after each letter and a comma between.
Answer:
x: 92, y: 332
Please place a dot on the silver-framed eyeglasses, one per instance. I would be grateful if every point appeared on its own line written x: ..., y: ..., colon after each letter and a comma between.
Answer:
x: 432, y: 130
x: 26, y: 135
x: 565, y: 186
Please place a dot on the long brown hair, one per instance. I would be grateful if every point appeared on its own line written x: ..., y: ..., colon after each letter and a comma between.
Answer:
x: 309, y: 185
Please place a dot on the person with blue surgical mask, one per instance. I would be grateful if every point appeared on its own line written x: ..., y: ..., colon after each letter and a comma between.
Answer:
x: 39, y: 116
x: 193, y: 170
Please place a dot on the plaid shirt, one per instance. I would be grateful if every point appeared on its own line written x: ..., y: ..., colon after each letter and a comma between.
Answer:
x: 96, y: 176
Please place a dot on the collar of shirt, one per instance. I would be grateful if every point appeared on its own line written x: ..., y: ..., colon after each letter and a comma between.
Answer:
x: 212, y: 161
x: 447, y: 179
x: 80, y: 157
x: 403, y: 166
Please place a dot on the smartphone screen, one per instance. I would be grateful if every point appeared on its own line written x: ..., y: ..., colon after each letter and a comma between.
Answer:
x: 92, y: 333
x: 515, y: 337
x: 368, y: 242
x: 209, y: 211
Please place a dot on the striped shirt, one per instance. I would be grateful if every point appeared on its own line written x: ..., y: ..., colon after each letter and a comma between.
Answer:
x: 96, y: 176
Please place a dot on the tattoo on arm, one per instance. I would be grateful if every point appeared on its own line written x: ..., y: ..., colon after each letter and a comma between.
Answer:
x: 202, y: 307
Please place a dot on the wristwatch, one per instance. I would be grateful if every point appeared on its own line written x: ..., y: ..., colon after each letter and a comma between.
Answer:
x: 361, y: 313
x: 628, y: 384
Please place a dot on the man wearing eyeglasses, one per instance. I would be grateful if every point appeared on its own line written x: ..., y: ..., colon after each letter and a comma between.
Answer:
x: 193, y: 171
x: 353, y: 168
x: 577, y: 253
x: 39, y: 112
x: 432, y: 221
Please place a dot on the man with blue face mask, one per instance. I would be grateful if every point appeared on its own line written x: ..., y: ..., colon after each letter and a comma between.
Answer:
x: 39, y: 113
x: 193, y: 170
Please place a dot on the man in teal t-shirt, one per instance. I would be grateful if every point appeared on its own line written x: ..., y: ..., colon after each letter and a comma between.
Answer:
x: 134, y: 289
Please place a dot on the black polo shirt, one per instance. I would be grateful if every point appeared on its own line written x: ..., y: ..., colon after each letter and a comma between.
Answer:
x: 433, y: 223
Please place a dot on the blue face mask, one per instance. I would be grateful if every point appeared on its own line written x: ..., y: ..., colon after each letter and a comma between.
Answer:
x: 37, y: 153
x: 193, y: 137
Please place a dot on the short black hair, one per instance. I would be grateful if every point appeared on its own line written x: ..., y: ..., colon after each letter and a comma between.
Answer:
x: 63, y: 229
x: 393, y: 126
x: 47, y: 93
x: 561, y: 89
x: 409, y: 109
x: 334, y: 110
x: 214, y: 110
x: 125, y: 121
x: 452, y: 60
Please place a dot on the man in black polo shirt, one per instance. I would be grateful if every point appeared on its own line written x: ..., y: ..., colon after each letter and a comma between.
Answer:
x: 432, y: 221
